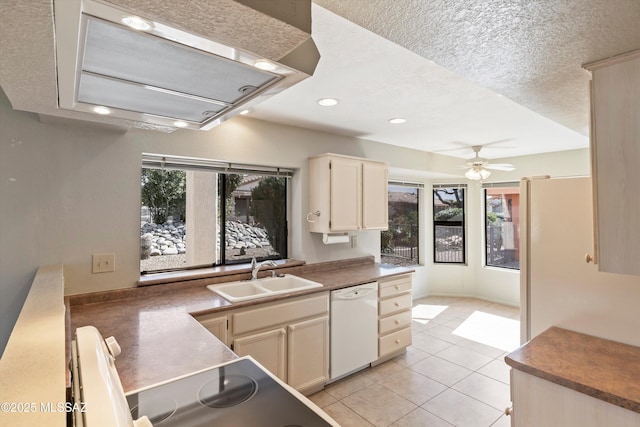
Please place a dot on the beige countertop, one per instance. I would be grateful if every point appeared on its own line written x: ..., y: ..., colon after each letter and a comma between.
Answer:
x: 161, y: 339
x: 606, y: 370
x: 32, y: 373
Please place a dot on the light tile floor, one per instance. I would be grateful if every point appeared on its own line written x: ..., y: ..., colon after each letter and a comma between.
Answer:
x: 452, y: 375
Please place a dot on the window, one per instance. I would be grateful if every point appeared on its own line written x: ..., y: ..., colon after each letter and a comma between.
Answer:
x: 448, y: 224
x: 399, y: 245
x: 197, y: 213
x: 502, y: 225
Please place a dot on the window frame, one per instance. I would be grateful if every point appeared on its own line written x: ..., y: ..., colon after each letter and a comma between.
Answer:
x: 223, y: 217
x: 461, y: 223
x: 502, y: 186
x: 222, y: 169
x: 419, y: 195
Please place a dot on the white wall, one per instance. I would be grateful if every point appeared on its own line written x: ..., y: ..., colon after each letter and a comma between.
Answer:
x: 475, y: 279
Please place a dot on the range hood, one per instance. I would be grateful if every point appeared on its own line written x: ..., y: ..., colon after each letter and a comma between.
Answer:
x: 123, y: 64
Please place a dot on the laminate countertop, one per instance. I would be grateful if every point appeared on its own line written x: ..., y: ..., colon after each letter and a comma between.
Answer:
x: 156, y: 328
x: 606, y: 370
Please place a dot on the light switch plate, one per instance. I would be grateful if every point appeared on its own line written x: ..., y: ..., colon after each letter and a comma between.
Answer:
x: 104, y: 263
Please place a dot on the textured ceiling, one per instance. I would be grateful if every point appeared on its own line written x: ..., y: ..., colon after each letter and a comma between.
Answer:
x: 528, y: 51
x: 505, y: 73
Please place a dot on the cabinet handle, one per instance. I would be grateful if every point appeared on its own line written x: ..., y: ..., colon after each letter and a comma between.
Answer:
x: 316, y: 213
x: 508, y: 411
x: 397, y: 287
x: 588, y: 258
x: 397, y: 304
x: 397, y: 341
x: 397, y: 322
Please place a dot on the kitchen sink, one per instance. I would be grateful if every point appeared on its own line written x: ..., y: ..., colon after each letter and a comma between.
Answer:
x: 246, y: 290
x: 287, y: 283
x: 239, y: 291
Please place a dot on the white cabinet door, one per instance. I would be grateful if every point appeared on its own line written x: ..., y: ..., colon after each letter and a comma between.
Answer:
x: 616, y: 155
x: 347, y: 194
x: 308, y: 353
x: 537, y: 402
x: 346, y: 183
x: 268, y: 348
x: 375, y: 211
x: 216, y: 325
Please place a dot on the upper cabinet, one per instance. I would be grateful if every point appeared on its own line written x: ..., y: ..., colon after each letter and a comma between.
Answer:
x: 347, y: 194
x: 615, y: 150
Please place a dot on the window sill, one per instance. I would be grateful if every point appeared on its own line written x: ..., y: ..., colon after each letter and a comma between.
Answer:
x: 205, y: 273
x: 501, y: 269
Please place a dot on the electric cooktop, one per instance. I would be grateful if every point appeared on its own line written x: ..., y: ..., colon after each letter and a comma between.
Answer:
x: 235, y: 394
x: 240, y: 393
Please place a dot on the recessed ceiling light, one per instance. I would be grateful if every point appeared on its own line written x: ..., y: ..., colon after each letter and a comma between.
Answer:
x: 101, y: 110
x: 327, y: 102
x: 180, y: 124
x: 264, y: 65
x: 245, y: 112
x: 397, y: 121
x: 136, y: 23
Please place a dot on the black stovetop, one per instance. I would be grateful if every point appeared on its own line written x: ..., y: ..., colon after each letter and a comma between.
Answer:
x: 236, y: 394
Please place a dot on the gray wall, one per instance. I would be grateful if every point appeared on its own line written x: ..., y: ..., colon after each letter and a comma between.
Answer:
x: 68, y: 191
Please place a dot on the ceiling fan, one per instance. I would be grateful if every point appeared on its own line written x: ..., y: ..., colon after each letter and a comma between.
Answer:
x: 478, y: 166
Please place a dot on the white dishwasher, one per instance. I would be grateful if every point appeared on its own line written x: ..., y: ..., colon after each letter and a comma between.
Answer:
x: 354, y: 328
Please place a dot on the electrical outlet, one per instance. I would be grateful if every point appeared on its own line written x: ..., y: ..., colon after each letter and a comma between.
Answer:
x: 104, y: 263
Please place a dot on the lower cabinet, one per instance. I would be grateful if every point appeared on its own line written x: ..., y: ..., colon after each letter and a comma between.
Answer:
x: 394, y: 315
x: 290, y: 338
x: 217, y: 325
x: 538, y: 402
x: 308, y: 353
x: 268, y: 348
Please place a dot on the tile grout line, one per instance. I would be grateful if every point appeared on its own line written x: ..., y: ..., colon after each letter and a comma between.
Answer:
x: 467, y: 304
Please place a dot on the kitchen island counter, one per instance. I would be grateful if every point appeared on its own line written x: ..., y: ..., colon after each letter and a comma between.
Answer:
x: 600, y: 368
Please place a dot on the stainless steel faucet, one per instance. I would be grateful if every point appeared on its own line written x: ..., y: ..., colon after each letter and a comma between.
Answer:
x: 256, y: 267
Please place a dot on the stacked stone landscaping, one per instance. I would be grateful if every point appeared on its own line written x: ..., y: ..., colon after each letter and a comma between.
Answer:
x: 169, y: 238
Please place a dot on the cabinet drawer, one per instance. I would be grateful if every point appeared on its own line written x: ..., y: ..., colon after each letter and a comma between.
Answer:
x: 397, y: 321
x: 393, y: 342
x: 278, y: 314
x: 395, y: 304
x: 397, y: 286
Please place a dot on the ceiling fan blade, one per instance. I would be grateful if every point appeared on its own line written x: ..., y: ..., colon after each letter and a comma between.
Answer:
x: 496, y: 141
x: 501, y: 167
x: 465, y: 144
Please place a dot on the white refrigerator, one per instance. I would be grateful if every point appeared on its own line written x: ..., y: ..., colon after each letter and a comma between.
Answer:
x: 557, y: 286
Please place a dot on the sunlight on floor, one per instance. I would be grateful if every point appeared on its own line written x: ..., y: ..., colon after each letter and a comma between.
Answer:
x: 422, y: 313
x: 495, y: 331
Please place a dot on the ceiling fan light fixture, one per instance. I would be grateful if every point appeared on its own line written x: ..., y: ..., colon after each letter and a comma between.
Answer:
x: 476, y: 174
